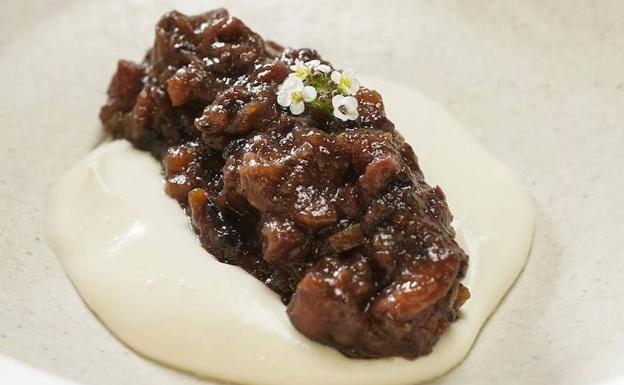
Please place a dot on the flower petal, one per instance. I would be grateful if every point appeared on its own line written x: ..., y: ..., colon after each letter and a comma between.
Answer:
x: 324, y: 68
x: 290, y: 83
x: 352, y: 115
x: 313, y: 63
x: 338, y: 101
x: 284, y: 98
x: 297, y: 108
x: 340, y: 115
x: 355, y: 86
x: 309, y: 93
x: 297, y: 84
x: 298, y: 64
x: 335, y: 76
x: 350, y: 103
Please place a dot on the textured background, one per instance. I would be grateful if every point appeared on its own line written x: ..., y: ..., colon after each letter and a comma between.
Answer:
x: 540, y: 84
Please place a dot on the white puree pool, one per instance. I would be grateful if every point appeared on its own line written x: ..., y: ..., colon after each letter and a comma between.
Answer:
x: 130, y: 252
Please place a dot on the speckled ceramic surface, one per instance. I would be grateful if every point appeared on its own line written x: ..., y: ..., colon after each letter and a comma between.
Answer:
x: 540, y: 85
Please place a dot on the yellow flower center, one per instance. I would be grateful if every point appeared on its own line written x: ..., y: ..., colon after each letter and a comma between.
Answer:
x: 302, y: 73
x: 297, y: 97
x: 344, y: 85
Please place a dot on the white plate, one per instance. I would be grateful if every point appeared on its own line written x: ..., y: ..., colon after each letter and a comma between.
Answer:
x: 541, y: 87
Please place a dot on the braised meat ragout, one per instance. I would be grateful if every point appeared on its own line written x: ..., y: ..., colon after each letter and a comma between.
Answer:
x: 333, y: 215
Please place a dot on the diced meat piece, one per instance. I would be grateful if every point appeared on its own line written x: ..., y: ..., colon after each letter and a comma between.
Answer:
x: 283, y: 241
x: 347, y: 239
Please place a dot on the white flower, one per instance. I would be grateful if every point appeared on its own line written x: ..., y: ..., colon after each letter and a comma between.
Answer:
x: 301, y: 70
x: 345, y: 107
x: 292, y: 93
x: 346, y: 82
x: 316, y: 65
